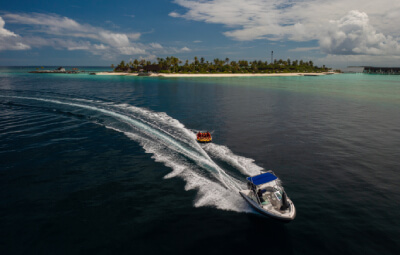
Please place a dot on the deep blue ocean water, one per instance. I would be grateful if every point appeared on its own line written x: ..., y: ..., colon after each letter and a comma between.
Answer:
x: 109, y: 164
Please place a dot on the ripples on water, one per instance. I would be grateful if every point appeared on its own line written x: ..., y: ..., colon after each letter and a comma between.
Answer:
x: 88, y: 164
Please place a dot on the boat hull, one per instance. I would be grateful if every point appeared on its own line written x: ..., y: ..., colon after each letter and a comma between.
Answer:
x: 267, y: 213
x: 204, y: 140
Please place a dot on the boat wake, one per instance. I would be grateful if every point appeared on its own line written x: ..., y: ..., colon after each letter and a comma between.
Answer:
x: 170, y: 143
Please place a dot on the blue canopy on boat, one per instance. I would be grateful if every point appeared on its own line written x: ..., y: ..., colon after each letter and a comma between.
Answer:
x: 262, y: 178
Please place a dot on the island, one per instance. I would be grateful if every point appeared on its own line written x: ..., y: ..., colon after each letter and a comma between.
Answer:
x: 174, y: 67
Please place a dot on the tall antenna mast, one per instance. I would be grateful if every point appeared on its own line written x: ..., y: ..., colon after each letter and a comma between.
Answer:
x: 272, y: 56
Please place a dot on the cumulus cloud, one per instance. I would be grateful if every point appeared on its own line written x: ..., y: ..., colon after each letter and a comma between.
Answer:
x: 4, y: 32
x: 63, y: 33
x: 246, y: 20
x: 185, y: 49
x: 57, y: 25
x: 100, y: 47
x: 306, y: 20
x: 9, y: 40
x: 354, y: 35
x: 174, y: 14
x: 156, y: 46
x: 115, y: 39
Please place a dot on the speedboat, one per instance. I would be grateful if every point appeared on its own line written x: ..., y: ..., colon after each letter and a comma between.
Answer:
x: 204, y: 137
x: 266, y: 194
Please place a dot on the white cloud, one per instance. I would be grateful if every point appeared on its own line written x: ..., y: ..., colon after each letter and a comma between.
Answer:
x: 301, y: 49
x: 9, y: 40
x: 134, y: 36
x: 158, y: 49
x: 4, y: 32
x: 305, y: 20
x: 16, y: 46
x: 100, y: 47
x: 174, y: 50
x: 340, y: 61
x: 115, y: 39
x: 174, y: 14
x: 57, y: 25
x: 149, y: 57
x: 51, y: 24
x: 156, y: 46
x: 185, y: 49
x: 78, y: 47
x: 131, y: 50
x: 64, y: 33
x: 354, y: 35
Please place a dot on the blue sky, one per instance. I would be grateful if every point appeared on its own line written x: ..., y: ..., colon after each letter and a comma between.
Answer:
x: 335, y: 33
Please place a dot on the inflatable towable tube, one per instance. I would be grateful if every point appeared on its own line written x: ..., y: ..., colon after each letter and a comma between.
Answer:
x: 204, y: 137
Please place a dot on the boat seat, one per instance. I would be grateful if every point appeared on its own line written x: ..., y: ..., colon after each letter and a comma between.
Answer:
x: 266, y: 202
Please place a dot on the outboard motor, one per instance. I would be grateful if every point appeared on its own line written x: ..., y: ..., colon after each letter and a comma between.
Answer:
x: 285, y: 203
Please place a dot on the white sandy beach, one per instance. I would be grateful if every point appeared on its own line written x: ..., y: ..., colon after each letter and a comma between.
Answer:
x: 178, y: 75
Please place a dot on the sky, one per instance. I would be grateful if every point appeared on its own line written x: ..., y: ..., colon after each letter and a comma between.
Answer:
x: 336, y: 33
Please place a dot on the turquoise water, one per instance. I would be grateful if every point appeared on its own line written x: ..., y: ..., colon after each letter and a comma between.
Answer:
x: 109, y: 164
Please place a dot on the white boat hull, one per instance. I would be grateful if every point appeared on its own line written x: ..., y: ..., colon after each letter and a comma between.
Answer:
x: 286, y: 216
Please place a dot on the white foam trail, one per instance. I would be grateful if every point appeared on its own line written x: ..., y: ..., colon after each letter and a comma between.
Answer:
x: 244, y: 165
x: 161, y: 120
x: 172, y: 144
x: 209, y: 193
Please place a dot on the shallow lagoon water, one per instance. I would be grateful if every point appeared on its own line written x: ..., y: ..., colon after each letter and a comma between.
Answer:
x: 98, y: 164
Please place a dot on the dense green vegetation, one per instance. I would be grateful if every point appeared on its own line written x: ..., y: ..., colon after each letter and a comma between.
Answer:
x: 175, y: 65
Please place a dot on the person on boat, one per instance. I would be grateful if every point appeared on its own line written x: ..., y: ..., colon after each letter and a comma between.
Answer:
x: 260, y: 195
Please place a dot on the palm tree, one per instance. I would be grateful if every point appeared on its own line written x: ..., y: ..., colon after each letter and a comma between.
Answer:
x: 168, y: 63
x: 142, y: 63
x: 175, y: 61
